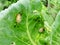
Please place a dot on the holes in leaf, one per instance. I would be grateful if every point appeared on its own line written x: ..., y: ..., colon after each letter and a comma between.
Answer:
x: 45, y: 2
x: 45, y: 43
x: 5, y: 7
x: 15, y: 25
x: 9, y: 0
x: 13, y: 43
x: 37, y: 19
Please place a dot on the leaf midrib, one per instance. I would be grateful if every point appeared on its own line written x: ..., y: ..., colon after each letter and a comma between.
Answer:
x: 28, y: 33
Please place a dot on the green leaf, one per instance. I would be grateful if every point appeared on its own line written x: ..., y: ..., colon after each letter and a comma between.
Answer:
x: 56, y: 30
x: 47, y: 16
x: 25, y: 32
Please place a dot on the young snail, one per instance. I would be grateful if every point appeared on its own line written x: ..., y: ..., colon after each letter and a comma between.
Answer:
x: 41, y: 29
x: 18, y: 18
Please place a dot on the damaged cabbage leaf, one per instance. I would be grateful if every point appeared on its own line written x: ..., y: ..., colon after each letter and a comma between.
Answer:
x: 26, y: 32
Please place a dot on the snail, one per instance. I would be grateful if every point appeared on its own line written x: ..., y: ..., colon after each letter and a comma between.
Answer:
x: 41, y: 29
x: 18, y: 18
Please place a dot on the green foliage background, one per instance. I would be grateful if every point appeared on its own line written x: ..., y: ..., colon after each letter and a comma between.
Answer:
x: 35, y: 14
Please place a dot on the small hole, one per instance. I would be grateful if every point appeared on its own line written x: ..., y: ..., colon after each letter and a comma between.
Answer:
x: 45, y: 43
x: 14, y: 26
x: 5, y: 7
x: 9, y: 0
x: 38, y: 20
x: 13, y: 43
